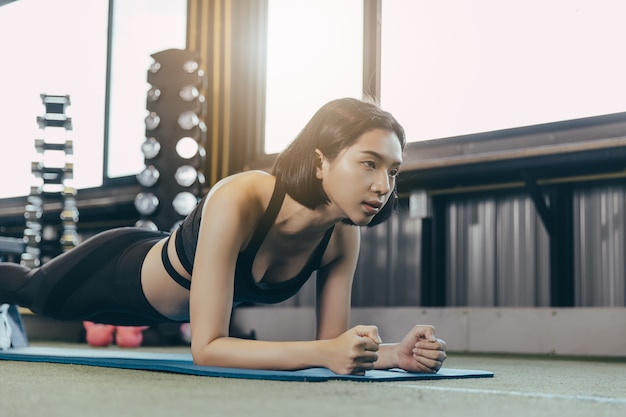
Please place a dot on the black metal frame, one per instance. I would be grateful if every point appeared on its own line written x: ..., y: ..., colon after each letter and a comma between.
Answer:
x: 583, y: 150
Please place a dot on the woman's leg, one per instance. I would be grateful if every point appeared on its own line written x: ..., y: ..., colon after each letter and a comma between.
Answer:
x: 13, y: 284
x: 81, y: 284
x: 46, y: 289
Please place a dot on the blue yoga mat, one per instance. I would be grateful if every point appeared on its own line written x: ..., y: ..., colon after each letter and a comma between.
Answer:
x: 182, y: 363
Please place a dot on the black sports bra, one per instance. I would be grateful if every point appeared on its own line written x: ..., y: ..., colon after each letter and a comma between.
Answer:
x: 246, y: 288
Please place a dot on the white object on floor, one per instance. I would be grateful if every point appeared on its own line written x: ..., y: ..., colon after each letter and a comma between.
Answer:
x: 5, y: 327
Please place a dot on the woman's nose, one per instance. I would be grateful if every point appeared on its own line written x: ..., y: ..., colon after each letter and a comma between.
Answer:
x: 381, y: 184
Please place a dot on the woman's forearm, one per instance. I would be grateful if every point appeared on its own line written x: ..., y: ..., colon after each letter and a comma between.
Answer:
x: 254, y: 354
x: 353, y: 352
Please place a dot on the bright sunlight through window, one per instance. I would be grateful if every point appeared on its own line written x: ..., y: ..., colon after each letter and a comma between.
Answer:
x: 315, y: 54
x: 454, y: 67
x: 64, y: 53
x: 45, y: 49
x: 140, y: 28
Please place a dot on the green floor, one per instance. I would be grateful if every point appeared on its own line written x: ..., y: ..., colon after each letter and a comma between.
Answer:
x: 522, y: 386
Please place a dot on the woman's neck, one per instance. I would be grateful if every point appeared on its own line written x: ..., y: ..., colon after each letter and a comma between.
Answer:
x: 296, y: 219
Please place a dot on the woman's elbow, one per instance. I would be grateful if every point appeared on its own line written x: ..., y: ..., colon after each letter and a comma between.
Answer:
x: 205, y: 354
x: 201, y: 354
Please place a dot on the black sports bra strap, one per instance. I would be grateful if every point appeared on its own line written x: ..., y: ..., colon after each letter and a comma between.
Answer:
x: 267, y: 220
x: 173, y: 273
x: 321, y: 248
x: 182, y: 254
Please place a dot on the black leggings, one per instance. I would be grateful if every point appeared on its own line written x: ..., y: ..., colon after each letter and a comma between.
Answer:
x: 99, y: 280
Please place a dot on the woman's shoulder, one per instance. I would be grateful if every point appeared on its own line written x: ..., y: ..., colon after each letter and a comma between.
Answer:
x: 245, y: 190
x: 246, y: 182
x: 254, y: 179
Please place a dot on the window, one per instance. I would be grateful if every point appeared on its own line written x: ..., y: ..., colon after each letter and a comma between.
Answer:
x: 140, y: 28
x: 46, y: 49
x: 60, y: 47
x: 453, y: 67
x: 315, y: 54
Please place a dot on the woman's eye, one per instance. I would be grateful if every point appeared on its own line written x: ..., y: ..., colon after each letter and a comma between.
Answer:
x: 394, y: 173
x: 369, y: 164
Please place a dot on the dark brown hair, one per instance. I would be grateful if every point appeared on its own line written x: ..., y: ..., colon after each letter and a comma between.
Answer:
x: 334, y: 127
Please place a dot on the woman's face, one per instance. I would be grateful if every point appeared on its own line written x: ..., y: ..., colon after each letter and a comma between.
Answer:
x: 360, y: 180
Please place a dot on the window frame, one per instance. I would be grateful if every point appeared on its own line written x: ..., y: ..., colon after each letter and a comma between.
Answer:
x: 110, y: 182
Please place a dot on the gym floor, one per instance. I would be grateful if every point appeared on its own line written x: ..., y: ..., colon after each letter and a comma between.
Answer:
x: 523, y: 385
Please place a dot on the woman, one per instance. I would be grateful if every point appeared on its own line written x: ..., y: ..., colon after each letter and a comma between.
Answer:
x: 256, y: 237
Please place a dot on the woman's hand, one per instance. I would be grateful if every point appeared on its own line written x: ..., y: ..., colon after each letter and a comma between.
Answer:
x: 421, y: 351
x: 353, y: 352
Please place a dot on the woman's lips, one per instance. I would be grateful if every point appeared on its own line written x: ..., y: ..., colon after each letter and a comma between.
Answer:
x: 372, y: 207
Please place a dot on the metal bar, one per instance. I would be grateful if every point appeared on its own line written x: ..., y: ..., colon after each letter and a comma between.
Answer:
x: 540, y: 202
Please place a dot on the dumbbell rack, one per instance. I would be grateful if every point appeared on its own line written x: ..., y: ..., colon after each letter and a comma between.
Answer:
x: 45, y: 239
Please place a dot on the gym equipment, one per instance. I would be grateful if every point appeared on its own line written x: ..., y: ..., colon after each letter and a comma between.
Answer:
x: 52, y: 186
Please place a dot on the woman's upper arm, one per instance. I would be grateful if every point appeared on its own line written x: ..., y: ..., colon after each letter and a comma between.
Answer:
x: 221, y: 235
x: 334, y: 282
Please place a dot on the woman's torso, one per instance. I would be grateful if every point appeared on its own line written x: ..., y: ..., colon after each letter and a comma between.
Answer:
x: 278, y: 266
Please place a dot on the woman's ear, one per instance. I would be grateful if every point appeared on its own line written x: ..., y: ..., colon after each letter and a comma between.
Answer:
x: 318, y: 162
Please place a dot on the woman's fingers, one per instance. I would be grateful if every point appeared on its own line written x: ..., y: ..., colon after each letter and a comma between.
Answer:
x: 430, y: 355
x: 356, y: 350
x: 370, y: 332
x: 425, y: 364
x: 366, y: 353
x: 365, y: 363
x: 438, y: 345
